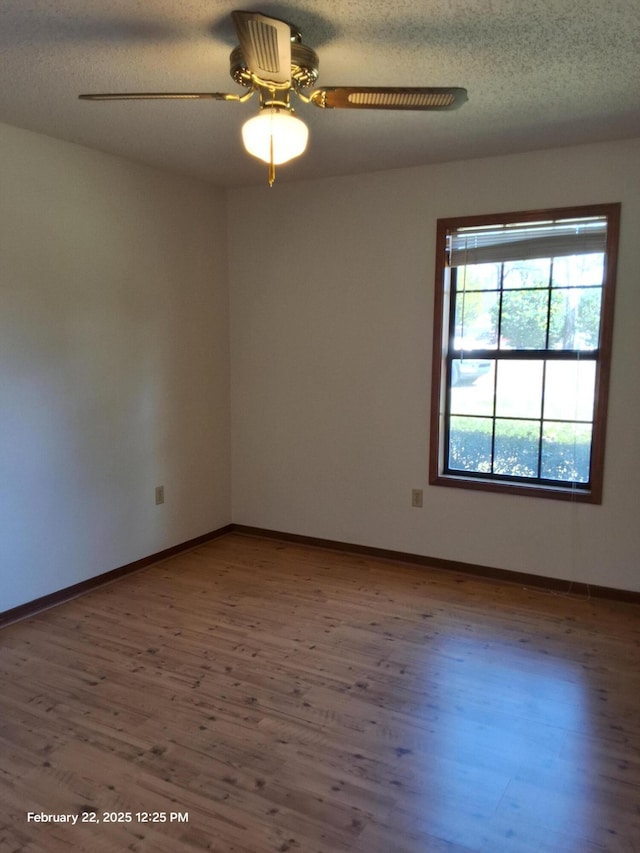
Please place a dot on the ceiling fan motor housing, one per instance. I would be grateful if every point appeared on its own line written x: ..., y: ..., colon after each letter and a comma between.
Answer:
x: 304, y: 67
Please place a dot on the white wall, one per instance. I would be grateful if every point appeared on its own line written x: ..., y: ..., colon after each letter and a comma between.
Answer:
x: 331, y: 314
x: 114, y: 365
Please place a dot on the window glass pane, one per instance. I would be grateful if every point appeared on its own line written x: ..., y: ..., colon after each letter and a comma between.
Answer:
x: 470, y: 444
x: 569, y: 390
x: 472, y: 390
x: 578, y: 270
x: 516, y: 448
x: 566, y: 451
x: 524, y: 319
x: 575, y: 318
x: 519, y: 389
x: 534, y: 273
x: 479, y: 277
x: 476, y: 320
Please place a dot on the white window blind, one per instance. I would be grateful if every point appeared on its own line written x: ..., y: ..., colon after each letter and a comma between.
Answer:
x: 525, y: 241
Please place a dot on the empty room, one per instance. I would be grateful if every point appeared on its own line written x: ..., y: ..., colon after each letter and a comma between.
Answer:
x: 320, y: 407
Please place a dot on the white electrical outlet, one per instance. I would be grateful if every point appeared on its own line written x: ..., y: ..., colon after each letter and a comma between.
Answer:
x: 159, y: 495
x: 416, y: 497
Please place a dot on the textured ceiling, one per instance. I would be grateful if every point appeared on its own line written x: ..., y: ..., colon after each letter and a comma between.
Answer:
x: 540, y: 74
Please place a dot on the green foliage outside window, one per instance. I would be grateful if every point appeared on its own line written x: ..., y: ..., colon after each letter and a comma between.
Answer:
x: 572, y: 304
x: 566, y: 449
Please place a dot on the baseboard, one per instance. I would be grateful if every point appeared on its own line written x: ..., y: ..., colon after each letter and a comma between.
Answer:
x: 24, y: 611
x: 521, y: 578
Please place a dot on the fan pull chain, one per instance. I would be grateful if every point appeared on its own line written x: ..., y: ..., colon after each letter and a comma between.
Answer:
x: 272, y: 165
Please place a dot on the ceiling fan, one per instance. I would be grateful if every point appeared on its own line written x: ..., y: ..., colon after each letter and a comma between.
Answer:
x: 272, y: 61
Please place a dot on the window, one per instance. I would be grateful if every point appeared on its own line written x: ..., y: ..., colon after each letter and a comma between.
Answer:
x: 522, y: 341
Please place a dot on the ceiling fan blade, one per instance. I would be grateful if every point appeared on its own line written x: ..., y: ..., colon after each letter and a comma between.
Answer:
x: 266, y: 45
x: 141, y: 96
x: 389, y: 97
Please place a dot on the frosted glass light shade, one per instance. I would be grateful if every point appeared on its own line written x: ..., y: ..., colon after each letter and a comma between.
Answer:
x: 289, y: 134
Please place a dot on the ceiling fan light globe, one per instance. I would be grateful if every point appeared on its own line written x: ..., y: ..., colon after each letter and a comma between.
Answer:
x: 289, y: 134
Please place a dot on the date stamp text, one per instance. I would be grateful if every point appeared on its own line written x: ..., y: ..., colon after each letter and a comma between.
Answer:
x: 89, y: 815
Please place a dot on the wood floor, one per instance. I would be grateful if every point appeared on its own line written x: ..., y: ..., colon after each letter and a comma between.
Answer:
x: 286, y: 698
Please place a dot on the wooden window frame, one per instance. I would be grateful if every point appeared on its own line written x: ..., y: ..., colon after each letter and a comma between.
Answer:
x: 440, y: 380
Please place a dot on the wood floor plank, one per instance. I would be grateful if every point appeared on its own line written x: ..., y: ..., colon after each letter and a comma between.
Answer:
x: 291, y: 698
